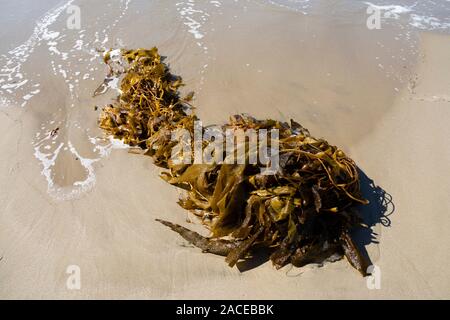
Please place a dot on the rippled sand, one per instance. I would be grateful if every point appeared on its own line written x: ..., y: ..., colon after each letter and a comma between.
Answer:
x: 76, y: 198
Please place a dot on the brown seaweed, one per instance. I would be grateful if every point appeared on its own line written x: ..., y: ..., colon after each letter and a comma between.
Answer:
x: 353, y: 255
x: 217, y: 247
x: 54, y: 132
x: 300, y: 214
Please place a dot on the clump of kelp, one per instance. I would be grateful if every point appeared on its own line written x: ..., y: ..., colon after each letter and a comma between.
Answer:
x: 302, y: 214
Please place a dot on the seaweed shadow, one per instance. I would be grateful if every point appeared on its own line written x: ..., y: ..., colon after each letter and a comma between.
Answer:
x: 259, y: 257
x: 377, y: 212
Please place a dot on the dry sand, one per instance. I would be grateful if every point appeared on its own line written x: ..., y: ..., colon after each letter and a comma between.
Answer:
x: 327, y: 79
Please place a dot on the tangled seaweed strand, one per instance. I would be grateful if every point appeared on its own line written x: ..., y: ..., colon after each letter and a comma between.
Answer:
x: 302, y: 214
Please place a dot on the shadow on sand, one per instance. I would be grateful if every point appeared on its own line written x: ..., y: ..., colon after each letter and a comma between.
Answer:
x: 378, y: 212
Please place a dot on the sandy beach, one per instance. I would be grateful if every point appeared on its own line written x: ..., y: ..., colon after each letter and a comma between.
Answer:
x: 77, y: 198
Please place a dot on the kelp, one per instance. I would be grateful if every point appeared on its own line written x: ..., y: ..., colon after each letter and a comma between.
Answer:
x: 302, y: 214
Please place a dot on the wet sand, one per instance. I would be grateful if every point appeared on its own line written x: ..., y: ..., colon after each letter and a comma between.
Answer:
x: 75, y: 199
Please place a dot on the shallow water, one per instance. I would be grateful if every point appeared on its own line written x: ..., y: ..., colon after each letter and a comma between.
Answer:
x: 424, y: 15
x: 315, y: 61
